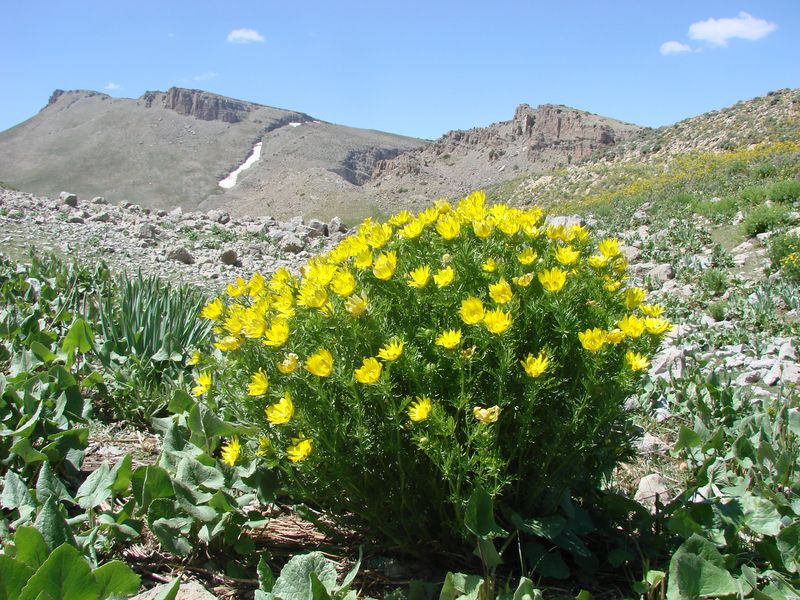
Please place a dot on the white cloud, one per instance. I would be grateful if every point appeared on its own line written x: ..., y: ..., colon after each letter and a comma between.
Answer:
x: 112, y: 86
x: 244, y: 36
x: 717, y: 32
x: 673, y: 47
x: 205, y: 76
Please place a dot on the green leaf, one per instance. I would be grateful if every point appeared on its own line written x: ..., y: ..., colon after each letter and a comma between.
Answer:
x: 195, y: 474
x: 26, y: 427
x: 63, y: 576
x: 761, y: 515
x: 79, y: 337
x: 149, y: 483
x: 121, y: 475
x: 479, y: 516
x: 31, y: 548
x: 687, y: 438
x: 206, y: 428
x: 266, y: 580
x: 546, y: 562
x: 526, y: 591
x: 42, y: 352
x: 351, y: 575
x: 488, y: 554
x: 691, y: 576
x: 788, y: 543
x: 27, y: 452
x: 48, y: 485
x: 96, y: 489
x: 318, y: 591
x: 181, y: 402
x: 170, y: 534
x: 14, y: 574
x: 116, y: 577
x: 169, y: 592
x: 54, y: 528
x: 191, y: 501
x: 294, y: 582
x: 458, y: 585
x: 15, y: 493
x: 546, y: 527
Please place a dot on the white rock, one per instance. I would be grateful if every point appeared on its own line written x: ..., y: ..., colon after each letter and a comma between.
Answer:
x: 651, y: 487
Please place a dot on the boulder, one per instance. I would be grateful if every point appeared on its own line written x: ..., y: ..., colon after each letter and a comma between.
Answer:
x: 99, y: 200
x: 291, y: 243
x: 336, y: 226
x: 230, y: 258
x: 319, y: 227
x: 181, y: 255
x: 69, y: 199
x: 652, y: 486
x: 189, y: 590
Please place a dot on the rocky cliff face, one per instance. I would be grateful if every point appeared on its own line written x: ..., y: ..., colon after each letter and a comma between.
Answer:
x: 199, y: 104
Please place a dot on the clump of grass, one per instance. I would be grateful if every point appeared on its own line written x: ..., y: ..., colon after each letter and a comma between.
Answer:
x: 764, y: 218
x: 715, y: 281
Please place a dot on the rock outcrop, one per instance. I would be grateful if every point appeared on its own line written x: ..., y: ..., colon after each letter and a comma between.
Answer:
x: 199, y: 104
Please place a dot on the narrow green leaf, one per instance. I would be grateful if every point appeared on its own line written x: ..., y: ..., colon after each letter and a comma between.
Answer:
x: 31, y: 548
x: 318, y: 591
x: 266, y: 580
x: 169, y: 592
x: 116, y: 577
x: 351, y: 575
x: 63, y: 576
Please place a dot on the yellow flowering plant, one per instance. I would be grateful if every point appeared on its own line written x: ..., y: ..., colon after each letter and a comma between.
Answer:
x: 465, y: 347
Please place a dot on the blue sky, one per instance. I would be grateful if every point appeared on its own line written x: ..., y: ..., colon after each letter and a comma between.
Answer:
x: 409, y: 67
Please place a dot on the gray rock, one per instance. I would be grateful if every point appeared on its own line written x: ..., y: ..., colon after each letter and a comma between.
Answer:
x: 336, y: 226
x: 650, y: 444
x: 103, y: 217
x: 147, y: 231
x: 790, y: 374
x: 319, y: 227
x: 256, y: 228
x: 661, y: 273
x: 670, y: 360
x: 75, y: 219
x: 748, y: 377
x: 218, y: 216
x: 630, y: 253
x: 787, y: 351
x: 291, y: 243
x: 190, y: 590
x: 652, y: 486
x: 229, y: 257
x: 175, y: 215
x: 181, y: 255
x: 69, y: 199
x: 98, y: 200
x: 565, y: 220
x: 773, y: 376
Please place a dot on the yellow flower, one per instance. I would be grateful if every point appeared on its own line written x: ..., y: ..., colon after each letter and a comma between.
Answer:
x: 320, y: 363
x: 609, y: 247
x: 636, y: 361
x: 391, y: 351
x: 501, y: 292
x: 238, y: 289
x: 552, y: 280
x: 230, y: 451
x: 482, y: 228
x: 486, y: 415
x: 300, y: 449
x: 256, y: 285
x: 652, y: 310
x: 343, y: 283
x: 509, y: 223
x: 385, y: 265
x: 615, y: 336
x: 632, y: 326
x: 195, y: 359
x: 497, y: 321
x: 413, y: 229
x: 263, y: 446
x: 281, y: 412
x: 611, y: 285
x: 378, y: 235
x: 449, y: 339
x: 656, y: 326
x: 212, y: 310
x: 277, y: 333
x: 444, y: 277
x: 419, y: 277
x: 471, y: 311
x: 448, y: 227
x: 369, y: 372
x: 592, y: 339
x: 566, y: 255
x: 523, y: 280
x: 289, y: 363
x: 356, y: 305
x: 228, y: 343
x: 489, y: 265
x: 319, y: 272
x: 535, y: 365
x: 254, y: 324
x: 203, y: 383
x: 581, y: 233
x: 312, y: 296
x: 527, y: 256
x: 633, y: 297
x: 598, y: 261
x: 363, y: 260
x: 400, y: 218
x: 420, y: 408
x: 259, y: 384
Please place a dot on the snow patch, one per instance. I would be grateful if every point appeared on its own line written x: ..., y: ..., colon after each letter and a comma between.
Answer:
x: 294, y: 124
x: 230, y: 180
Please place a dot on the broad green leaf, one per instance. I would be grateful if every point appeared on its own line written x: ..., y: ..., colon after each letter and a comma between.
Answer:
x: 546, y: 562
x: 31, y: 548
x: 42, y: 352
x: 79, y: 337
x: 526, y: 591
x: 23, y: 362
x: 14, y: 574
x: 48, y: 485
x: 458, y: 585
x: 700, y: 546
x: 54, y: 528
x: 149, y: 483
x: 761, y: 515
x: 15, y: 493
x: 121, y: 475
x: 294, y: 582
x: 488, y: 554
x: 546, y: 527
x: 27, y: 452
x: 691, y: 577
x: 193, y: 473
x: 181, y: 402
x: 479, y: 516
x: 96, y: 489
x: 63, y: 576
x: 788, y: 543
x: 266, y: 580
x: 170, y: 592
x: 207, y: 428
x: 572, y: 544
x: 192, y: 502
x: 116, y: 577
x: 687, y: 438
x: 318, y: 591
x: 27, y: 426
x: 170, y: 534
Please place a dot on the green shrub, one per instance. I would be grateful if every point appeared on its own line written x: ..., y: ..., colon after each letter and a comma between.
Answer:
x: 784, y: 253
x: 718, y: 310
x: 714, y: 281
x: 724, y: 208
x: 463, y: 349
x: 753, y: 195
x: 785, y: 191
x: 765, y: 218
